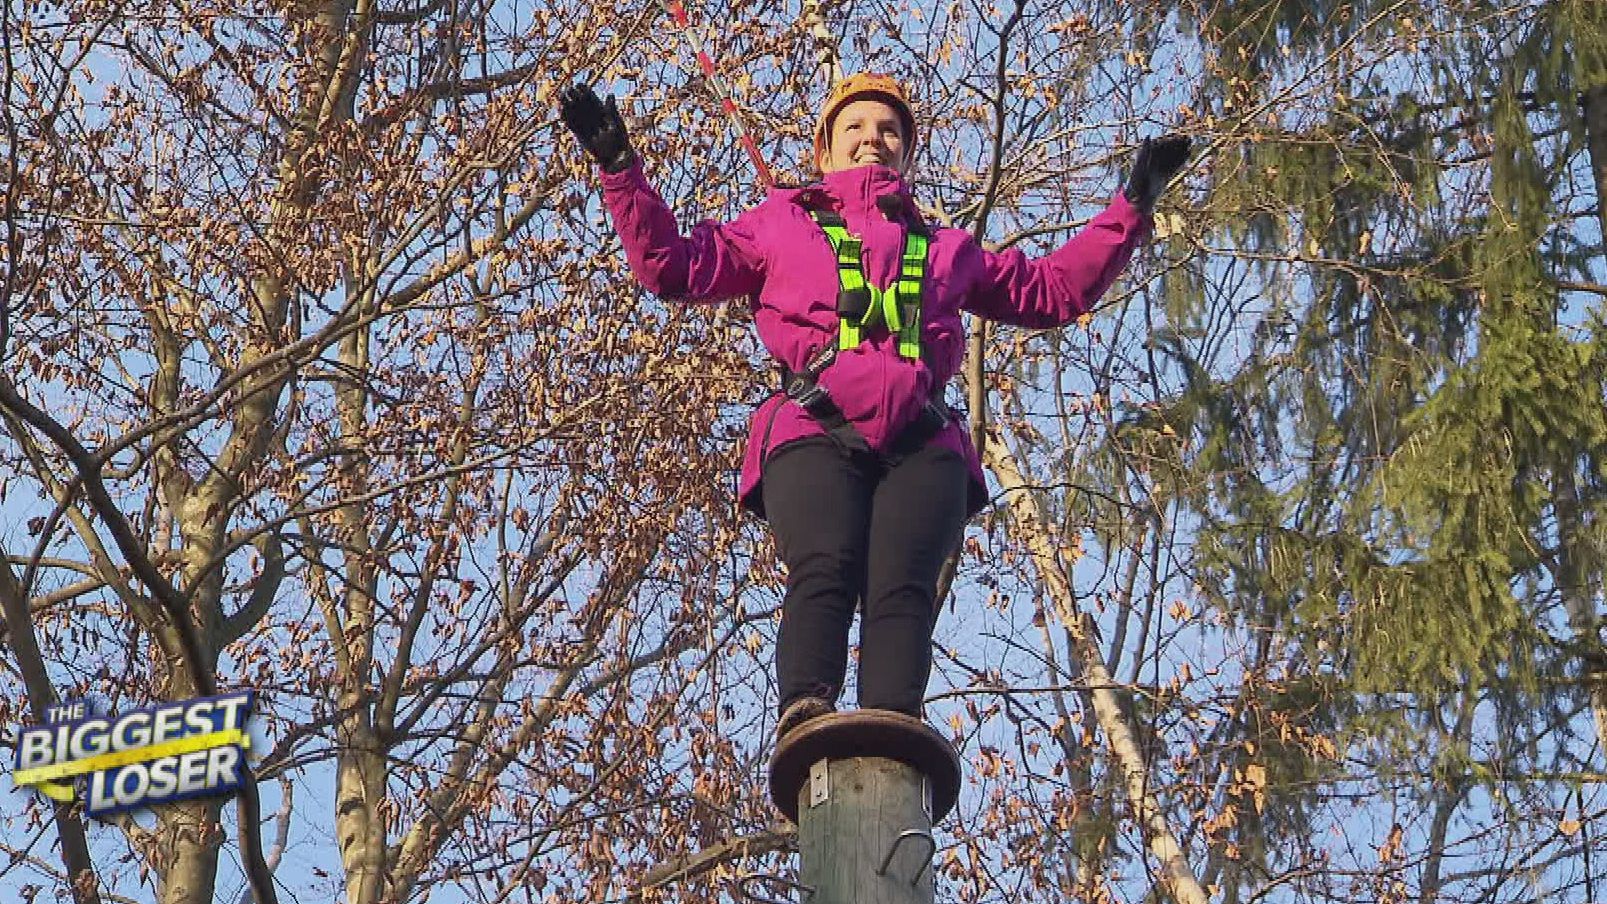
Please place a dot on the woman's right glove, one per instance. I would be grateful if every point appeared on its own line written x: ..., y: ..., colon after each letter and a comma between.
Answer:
x: 1157, y: 162
x: 598, y: 126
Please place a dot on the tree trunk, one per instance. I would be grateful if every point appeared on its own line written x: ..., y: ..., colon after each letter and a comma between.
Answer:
x: 360, y: 786
x: 1446, y: 803
x: 829, y: 67
x: 1084, y: 862
x: 1577, y: 582
x: 1589, y: 34
x: 1594, y: 102
x: 20, y: 637
x: 1029, y: 518
x: 1577, y: 594
x: 189, y: 836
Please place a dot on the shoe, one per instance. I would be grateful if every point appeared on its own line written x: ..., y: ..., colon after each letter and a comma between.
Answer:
x: 800, y: 711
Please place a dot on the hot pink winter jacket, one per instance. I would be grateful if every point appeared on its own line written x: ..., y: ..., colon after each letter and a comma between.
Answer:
x: 776, y: 256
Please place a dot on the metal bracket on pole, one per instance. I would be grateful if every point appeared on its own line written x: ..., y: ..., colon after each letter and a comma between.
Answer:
x: 745, y: 881
x: 910, y: 833
x: 819, y: 782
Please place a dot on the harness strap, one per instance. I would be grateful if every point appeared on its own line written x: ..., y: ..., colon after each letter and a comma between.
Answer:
x: 912, y: 275
x: 856, y: 299
x: 803, y: 387
x: 860, y: 304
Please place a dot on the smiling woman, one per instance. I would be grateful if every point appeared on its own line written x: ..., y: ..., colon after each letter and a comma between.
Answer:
x: 866, y: 132
x: 864, y: 474
x: 867, y: 119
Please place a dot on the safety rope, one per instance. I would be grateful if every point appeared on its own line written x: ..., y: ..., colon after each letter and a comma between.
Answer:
x: 721, y: 92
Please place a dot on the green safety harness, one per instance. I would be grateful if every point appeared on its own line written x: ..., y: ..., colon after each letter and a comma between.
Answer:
x: 861, y: 306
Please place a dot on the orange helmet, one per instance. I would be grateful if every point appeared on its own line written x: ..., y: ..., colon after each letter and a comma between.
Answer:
x: 872, y: 86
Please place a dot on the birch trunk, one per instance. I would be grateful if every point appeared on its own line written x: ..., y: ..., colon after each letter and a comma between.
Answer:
x: 1030, y: 521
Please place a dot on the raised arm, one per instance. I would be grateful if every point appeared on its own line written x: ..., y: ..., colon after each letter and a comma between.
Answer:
x: 1060, y: 287
x: 716, y: 261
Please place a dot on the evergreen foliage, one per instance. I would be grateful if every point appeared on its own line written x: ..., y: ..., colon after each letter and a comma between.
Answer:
x: 1400, y: 467
x: 1384, y: 468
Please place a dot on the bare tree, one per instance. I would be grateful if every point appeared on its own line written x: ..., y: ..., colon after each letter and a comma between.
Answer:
x: 323, y: 376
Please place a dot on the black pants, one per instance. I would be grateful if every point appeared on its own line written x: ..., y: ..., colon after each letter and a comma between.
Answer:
x: 850, y: 528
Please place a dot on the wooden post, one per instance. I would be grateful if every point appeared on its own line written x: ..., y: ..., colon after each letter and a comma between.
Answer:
x: 867, y: 839
x: 865, y: 789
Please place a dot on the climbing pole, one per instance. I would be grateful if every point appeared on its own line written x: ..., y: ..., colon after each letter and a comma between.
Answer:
x: 865, y: 789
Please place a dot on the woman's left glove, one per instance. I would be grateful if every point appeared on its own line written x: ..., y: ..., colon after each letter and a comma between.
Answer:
x: 598, y: 126
x: 1159, y: 159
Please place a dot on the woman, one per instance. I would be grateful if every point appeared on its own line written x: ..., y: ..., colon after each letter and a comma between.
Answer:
x: 864, y: 476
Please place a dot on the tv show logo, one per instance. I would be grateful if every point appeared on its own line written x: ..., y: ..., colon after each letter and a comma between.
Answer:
x: 176, y: 751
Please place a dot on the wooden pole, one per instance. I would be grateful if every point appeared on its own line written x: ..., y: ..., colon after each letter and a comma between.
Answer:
x: 865, y: 833
x: 865, y: 789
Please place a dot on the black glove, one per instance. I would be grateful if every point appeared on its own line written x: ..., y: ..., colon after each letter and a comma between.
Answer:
x: 1158, y: 161
x: 598, y: 126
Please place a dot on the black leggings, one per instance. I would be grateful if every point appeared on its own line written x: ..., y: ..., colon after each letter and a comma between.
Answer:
x: 849, y: 528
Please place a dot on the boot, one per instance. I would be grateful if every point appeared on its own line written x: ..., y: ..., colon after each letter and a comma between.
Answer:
x: 802, y: 710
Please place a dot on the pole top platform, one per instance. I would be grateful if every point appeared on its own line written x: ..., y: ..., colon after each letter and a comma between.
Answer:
x: 865, y: 733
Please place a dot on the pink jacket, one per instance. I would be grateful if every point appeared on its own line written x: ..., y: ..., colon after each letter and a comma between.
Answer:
x: 780, y: 259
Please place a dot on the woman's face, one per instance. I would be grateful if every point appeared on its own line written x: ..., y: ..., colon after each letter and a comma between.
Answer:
x: 865, y: 132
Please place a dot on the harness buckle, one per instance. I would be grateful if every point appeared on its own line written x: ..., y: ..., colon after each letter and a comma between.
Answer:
x: 806, y: 392
x: 852, y: 304
x: 814, y: 399
x: 821, y: 359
